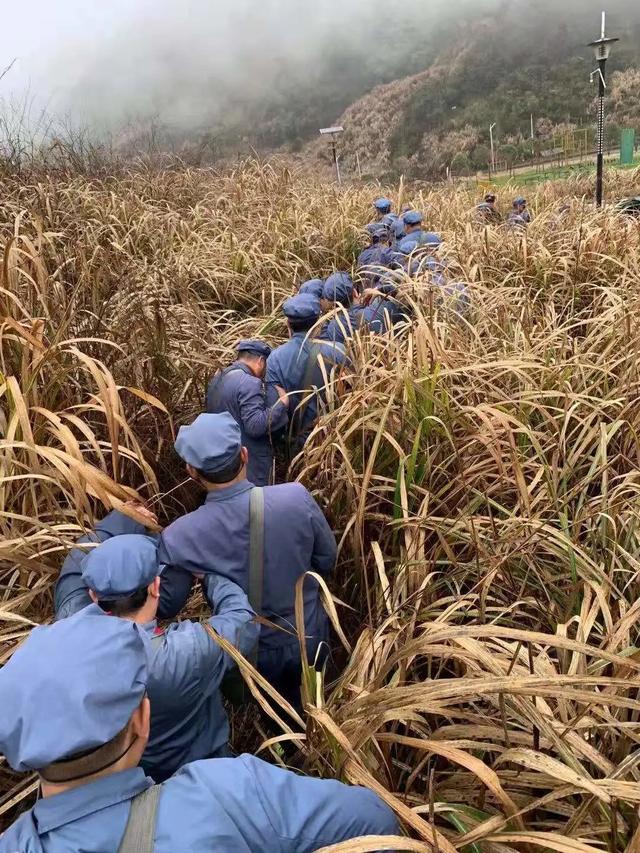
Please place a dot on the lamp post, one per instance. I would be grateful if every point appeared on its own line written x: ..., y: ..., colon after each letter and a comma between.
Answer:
x: 493, y: 151
x: 602, y: 49
x: 334, y: 132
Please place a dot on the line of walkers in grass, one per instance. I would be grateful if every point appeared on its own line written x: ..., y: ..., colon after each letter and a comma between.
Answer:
x: 123, y: 720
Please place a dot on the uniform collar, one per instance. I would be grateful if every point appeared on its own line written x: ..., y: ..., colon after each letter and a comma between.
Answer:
x: 240, y: 365
x: 229, y: 491
x: 53, y: 812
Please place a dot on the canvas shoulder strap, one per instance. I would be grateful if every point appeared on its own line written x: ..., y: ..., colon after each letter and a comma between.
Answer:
x: 307, y: 385
x: 310, y: 367
x: 315, y: 350
x: 256, y: 548
x: 139, y: 834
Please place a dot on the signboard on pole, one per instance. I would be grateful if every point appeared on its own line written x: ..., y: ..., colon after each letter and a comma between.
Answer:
x: 627, y: 146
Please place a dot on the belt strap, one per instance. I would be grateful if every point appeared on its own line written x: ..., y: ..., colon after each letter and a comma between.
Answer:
x: 315, y: 350
x: 256, y: 548
x: 307, y: 384
x: 139, y: 834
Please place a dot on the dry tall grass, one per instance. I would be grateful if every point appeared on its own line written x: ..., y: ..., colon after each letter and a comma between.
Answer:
x: 482, y: 473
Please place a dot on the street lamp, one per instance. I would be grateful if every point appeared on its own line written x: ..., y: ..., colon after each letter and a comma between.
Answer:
x: 493, y: 151
x: 602, y: 49
x: 334, y: 132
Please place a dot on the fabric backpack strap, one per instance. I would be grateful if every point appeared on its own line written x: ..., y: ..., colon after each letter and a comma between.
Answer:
x: 256, y: 548
x: 307, y: 384
x: 315, y: 350
x: 218, y: 385
x: 139, y: 834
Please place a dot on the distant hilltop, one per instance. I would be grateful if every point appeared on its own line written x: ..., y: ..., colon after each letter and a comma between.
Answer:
x: 533, y: 84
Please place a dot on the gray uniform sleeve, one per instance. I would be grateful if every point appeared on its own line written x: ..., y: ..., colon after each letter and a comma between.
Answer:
x: 325, y: 550
x: 232, y: 619
x: 71, y: 594
x: 307, y: 814
x: 274, y: 373
x: 257, y: 418
x: 175, y: 584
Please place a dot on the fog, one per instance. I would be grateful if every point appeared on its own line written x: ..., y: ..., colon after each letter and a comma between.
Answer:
x: 197, y: 63
x: 186, y: 60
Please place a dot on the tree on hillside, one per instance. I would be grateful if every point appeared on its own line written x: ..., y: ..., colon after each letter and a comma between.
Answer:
x: 461, y: 164
x: 508, y: 153
x: 481, y: 157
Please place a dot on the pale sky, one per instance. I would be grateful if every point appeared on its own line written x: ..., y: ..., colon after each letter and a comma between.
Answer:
x: 38, y: 32
x: 186, y: 61
x: 175, y: 56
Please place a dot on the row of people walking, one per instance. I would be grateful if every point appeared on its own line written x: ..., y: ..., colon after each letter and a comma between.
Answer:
x: 124, y: 720
x: 518, y: 217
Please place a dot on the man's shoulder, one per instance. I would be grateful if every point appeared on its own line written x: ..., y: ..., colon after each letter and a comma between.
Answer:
x: 334, y: 349
x: 218, y: 776
x: 284, y: 348
x: 228, y: 774
x: 285, y: 494
x: 185, y: 522
x: 176, y: 642
x: 238, y: 376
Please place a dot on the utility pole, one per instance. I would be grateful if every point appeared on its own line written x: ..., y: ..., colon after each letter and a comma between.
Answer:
x: 493, y: 152
x: 334, y: 132
x: 358, y: 165
x: 602, y: 49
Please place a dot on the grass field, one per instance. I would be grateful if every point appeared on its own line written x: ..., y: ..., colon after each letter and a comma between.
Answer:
x: 577, y: 170
x: 482, y: 473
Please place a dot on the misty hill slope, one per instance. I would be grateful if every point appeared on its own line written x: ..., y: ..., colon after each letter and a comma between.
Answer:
x: 502, y: 69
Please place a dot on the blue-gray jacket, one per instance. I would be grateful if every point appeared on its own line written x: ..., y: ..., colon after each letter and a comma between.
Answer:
x: 374, y: 256
x: 287, y: 367
x: 215, y: 538
x: 381, y: 315
x: 340, y: 328
x: 186, y: 666
x: 70, y: 593
x: 235, y: 805
x: 236, y: 390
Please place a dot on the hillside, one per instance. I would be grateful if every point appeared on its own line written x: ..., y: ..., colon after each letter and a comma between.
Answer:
x: 503, y: 68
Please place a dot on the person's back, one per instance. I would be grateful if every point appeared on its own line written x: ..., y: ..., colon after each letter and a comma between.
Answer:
x: 186, y: 665
x: 383, y: 313
x: 370, y: 256
x: 235, y: 805
x: 219, y: 536
x: 300, y: 365
x: 379, y: 253
x: 260, y: 411
x: 186, y: 670
x: 75, y: 710
x: 297, y: 539
x: 339, y: 294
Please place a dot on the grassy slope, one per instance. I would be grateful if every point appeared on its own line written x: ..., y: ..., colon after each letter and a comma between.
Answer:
x: 500, y: 69
x: 482, y: 473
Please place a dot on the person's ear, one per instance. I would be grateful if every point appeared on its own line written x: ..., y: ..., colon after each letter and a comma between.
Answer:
x: 191, y: 471
x: 141, y: 719
x: 244, y: 455
x: 154, y: 588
